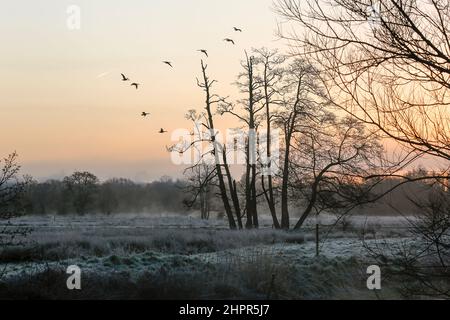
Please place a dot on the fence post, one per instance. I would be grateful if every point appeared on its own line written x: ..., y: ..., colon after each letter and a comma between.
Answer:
x: 317, y: 239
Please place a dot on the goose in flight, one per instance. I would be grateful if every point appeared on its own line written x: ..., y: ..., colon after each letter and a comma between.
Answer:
x: 162, y: 131
x: 237, y: 29
x: 124, y: 78
x: 168, y: 63
x: 135, y: 85
x: 229, y: 40
x: 203, y: 51
x: 145, y: 114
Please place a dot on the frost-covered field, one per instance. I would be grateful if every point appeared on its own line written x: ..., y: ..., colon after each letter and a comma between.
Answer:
x: 168, y: 256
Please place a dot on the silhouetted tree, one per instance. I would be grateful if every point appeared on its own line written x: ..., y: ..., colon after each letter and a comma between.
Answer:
x: 201, y: 183
x: 259, y: 82
x: 216, y: 149
x: 422, y: 266
x: 329, y: 162
x: 386, y: 63
x: 12, y: 190
x: 250, y: 85
x: 302, y: 105
x: 82, y: 187
x: 271, y: 74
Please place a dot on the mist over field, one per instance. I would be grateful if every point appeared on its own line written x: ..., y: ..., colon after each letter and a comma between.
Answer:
x: 207, y: 150
x: 179, y: 257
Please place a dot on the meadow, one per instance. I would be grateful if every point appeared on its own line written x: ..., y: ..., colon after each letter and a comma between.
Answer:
x: 175, y: 257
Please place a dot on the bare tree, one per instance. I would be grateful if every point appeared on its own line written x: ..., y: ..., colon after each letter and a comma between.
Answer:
x: 201, y: 181
x: 248, y: 112
x: 12, y: 190
x: 294, y: 90
x: 330, y: 159
x: 386, y: 63
x: 271, y: 75
x: 301, y: 102
x: 82, y: 186
x: 422, y: 265
x: 205, y: 121
x: 251, y: 87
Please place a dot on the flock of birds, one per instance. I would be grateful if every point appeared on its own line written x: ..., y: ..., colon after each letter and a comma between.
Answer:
x: 170, y: 64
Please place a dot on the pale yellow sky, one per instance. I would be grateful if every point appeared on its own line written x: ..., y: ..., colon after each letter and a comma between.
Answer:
x: 60, y: 116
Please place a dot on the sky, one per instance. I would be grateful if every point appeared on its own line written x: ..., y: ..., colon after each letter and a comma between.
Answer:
x: 63, y: 106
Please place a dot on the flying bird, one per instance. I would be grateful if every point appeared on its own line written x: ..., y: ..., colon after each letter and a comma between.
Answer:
x: 237, y: 29
x: 124, y: 78
x: 168, y: 63
x: 162, y: 131
x: 145, y: 114
x: 203, y: 51
x: 135, y: 85
x: 229, y: 40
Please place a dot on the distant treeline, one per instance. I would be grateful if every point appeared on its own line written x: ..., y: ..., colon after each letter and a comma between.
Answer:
x: 83, y: 193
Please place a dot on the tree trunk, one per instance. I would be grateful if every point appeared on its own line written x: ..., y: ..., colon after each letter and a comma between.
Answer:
x: 254, y: 199
x: 233, y: 191
x: 269, y: 195
x: 285, y: 224
x: 222, y: 187
x: 249, y: 222
x: 314, y: 193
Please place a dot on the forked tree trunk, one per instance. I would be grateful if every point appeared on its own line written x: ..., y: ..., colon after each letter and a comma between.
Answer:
x: 222, y: 186
x: 284, y: 186
x: 250, y: 192
x: 269, y: 193
x: 233, y: 190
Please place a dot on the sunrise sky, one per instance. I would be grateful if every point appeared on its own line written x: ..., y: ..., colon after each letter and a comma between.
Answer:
x: 62, y: 104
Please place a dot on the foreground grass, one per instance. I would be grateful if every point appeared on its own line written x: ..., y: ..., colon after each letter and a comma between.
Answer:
x: 57, y: 245
x: 182, y: 277
x: 150, y: 263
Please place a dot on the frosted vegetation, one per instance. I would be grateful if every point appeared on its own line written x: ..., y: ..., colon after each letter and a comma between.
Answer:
x: 170, y: 256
